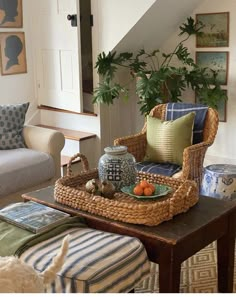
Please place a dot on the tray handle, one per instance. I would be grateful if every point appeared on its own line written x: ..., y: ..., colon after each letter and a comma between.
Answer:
x: 84, y: 162
x: 182, y: 194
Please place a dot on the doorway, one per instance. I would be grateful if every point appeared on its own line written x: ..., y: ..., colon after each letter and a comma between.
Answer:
x: 64, y: 55
x: 86, y: 23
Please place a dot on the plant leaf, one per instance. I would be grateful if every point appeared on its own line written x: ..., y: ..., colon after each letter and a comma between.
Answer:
x: 191, y: 27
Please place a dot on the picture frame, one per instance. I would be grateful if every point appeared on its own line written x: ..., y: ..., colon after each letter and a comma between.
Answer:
x: 215, y: 32
x: 12, y: 53
x: 11, y: 14
x: 217, y: 61
x: 222, y: 108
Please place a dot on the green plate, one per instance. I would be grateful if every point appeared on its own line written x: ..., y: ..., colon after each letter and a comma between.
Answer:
x: 160, y: 190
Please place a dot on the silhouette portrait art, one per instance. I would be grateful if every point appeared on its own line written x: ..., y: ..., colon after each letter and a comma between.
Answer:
x: 11, y: 13
x: 13, y: 56
x: 13, y: 49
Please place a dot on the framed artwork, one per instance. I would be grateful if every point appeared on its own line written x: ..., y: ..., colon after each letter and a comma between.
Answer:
x: 11, y: 14
x: 217, y: 61
x: 12, y: 52
x: 222, y: 108
x: 216, y: 29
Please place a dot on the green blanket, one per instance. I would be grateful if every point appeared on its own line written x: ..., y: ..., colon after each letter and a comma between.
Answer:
x: 15, y: 240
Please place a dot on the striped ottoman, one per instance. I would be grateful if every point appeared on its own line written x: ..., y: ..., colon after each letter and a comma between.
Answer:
x: 97, y: 262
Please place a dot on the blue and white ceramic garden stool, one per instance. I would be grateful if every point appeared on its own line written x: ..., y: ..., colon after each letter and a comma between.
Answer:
x: 219, y: 181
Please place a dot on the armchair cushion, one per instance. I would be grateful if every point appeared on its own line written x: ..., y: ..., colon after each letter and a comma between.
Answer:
x: 12, y: 118
x: 166, y: 140
x: 176, y: 110
x: 166, y: 169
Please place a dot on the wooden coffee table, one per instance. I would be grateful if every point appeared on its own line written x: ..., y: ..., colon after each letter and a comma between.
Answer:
x: 172, y: 242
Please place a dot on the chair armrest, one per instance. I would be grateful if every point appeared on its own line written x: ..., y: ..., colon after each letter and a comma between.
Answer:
x: 136, y: 145
x: 45, y: 140
x: 193, y: 158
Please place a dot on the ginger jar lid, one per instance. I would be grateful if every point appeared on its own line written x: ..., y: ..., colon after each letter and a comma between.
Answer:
x: 115, y: 149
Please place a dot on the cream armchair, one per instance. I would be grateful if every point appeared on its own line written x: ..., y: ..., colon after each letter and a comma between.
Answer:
x: 26, y: 169
x: 47, y: 141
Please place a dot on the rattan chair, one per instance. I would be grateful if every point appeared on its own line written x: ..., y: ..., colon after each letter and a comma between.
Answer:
x: 193, y: 156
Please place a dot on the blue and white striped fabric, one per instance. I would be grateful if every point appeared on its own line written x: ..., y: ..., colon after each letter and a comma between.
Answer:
x: 176, y: 110
x: 97, y: 262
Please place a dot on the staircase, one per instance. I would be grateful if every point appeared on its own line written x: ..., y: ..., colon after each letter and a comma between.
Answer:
x: 81, y: 131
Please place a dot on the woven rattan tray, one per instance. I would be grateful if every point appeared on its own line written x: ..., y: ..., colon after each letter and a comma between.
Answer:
x: 70, y: 191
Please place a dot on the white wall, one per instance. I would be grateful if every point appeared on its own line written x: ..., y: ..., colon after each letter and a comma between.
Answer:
x: 19, y: 88
x: 224, y: 147
x: 156, y: 25
x: 112, y: 20
x: 116, y: 18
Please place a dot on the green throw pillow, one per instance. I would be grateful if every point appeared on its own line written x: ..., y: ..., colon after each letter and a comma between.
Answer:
x: 166, y: 140
x: 12, y: 119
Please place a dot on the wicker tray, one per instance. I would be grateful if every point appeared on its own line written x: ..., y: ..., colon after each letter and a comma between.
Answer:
x: 70, y: 191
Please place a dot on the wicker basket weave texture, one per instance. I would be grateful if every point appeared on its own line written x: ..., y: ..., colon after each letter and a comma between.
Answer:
x: 70, y: 191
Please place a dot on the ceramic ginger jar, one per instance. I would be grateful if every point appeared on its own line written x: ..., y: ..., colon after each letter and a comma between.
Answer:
x: 219, y: 181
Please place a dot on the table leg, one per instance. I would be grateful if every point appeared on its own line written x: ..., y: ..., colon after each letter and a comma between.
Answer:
x: 225, y: 258
x: 169, y: 275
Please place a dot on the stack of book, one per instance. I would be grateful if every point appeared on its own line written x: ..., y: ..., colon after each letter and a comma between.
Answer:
x: 32, y: 216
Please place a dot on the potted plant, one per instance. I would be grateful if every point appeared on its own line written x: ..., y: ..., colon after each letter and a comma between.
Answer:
x: 159, y: 77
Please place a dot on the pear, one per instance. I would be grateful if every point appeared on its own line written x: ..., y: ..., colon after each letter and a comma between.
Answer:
x: 107, y: 189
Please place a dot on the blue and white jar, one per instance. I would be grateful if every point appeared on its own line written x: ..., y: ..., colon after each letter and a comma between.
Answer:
x: 117, y: 166
x: 219, y: 181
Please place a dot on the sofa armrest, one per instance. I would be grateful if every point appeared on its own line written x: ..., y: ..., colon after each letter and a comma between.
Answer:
x: 45, y: 140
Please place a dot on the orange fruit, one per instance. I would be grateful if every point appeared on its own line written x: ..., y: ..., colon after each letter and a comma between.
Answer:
x: 152, y: 187
x: 138, y: 190
x: 143, y: 183
x: 148, y: 191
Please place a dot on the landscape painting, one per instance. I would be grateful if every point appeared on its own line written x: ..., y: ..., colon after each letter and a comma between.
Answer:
x: 216, y: 29
x: 217, y: 61
x: 222, y: 109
